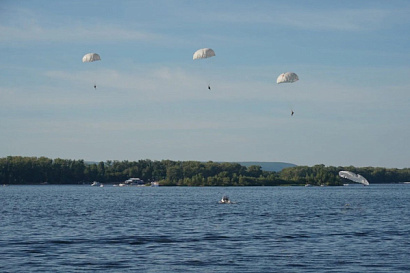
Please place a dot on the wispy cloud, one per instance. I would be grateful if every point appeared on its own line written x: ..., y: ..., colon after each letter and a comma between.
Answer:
x: 77, y: 33
x: 20, y: 25
x: 342, y: 20
x: 149, y: 84
x: 24, y: 25
x: 319, y: 20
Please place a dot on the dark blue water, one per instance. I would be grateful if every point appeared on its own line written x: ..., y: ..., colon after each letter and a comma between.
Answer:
x: 159, y: 229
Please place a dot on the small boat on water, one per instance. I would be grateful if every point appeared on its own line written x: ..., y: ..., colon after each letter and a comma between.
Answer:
x: 134, y: 182
x: 225, y: 200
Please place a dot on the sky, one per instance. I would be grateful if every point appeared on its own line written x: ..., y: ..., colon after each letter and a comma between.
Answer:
x: 152, y: 101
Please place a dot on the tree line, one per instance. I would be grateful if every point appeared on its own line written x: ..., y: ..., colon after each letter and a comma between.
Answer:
x: 38, y: 170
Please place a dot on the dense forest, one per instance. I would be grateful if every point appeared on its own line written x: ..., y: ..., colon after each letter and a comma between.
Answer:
x: 38, y: 170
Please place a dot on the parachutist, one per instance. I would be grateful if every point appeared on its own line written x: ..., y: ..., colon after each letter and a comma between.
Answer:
x: 204, y: 53
x: 89, y: 58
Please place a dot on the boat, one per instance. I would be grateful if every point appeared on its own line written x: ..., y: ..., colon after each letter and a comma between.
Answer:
x: 308, y: 185
x: 154, y: 184
x: 134, y: 181
x: 95, y: 183
x: 225, y: 200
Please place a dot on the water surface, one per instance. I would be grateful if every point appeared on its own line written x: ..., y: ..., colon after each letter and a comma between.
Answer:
x: 183, y: 229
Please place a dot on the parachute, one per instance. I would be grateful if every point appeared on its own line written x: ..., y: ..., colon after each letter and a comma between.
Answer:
x: 91, y: 57
x: 203, y: 53
x: 287, y: 77
x: 354, y: 177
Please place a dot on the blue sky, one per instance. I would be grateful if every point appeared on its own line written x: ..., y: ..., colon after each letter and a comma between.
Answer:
x: 351, y: 103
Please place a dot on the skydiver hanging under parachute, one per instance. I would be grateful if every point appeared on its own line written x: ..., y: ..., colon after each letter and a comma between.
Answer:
x: 288, y: 77
x: 204, y: 53
x: 91, y: 57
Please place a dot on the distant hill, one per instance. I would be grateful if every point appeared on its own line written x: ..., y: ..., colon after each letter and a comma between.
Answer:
x: 268, y: 166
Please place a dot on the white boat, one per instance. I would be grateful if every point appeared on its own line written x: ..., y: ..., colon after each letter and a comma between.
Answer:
x: 134, y: 181
x: 95, y: 183
x: 225, y: 200
x: 154, y: 184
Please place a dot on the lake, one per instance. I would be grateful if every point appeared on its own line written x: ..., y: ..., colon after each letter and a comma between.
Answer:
x: 56, y: 228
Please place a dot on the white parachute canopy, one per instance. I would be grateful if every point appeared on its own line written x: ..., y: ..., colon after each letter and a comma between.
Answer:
x: 203, y: 53
x: 354, y: 177
x: 91, y: 57
x: 287, y: 77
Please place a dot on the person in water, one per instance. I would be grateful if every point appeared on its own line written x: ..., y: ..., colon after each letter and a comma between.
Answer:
x: 95, y: 86
x: 209, y: 87
x: 291, y: 113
